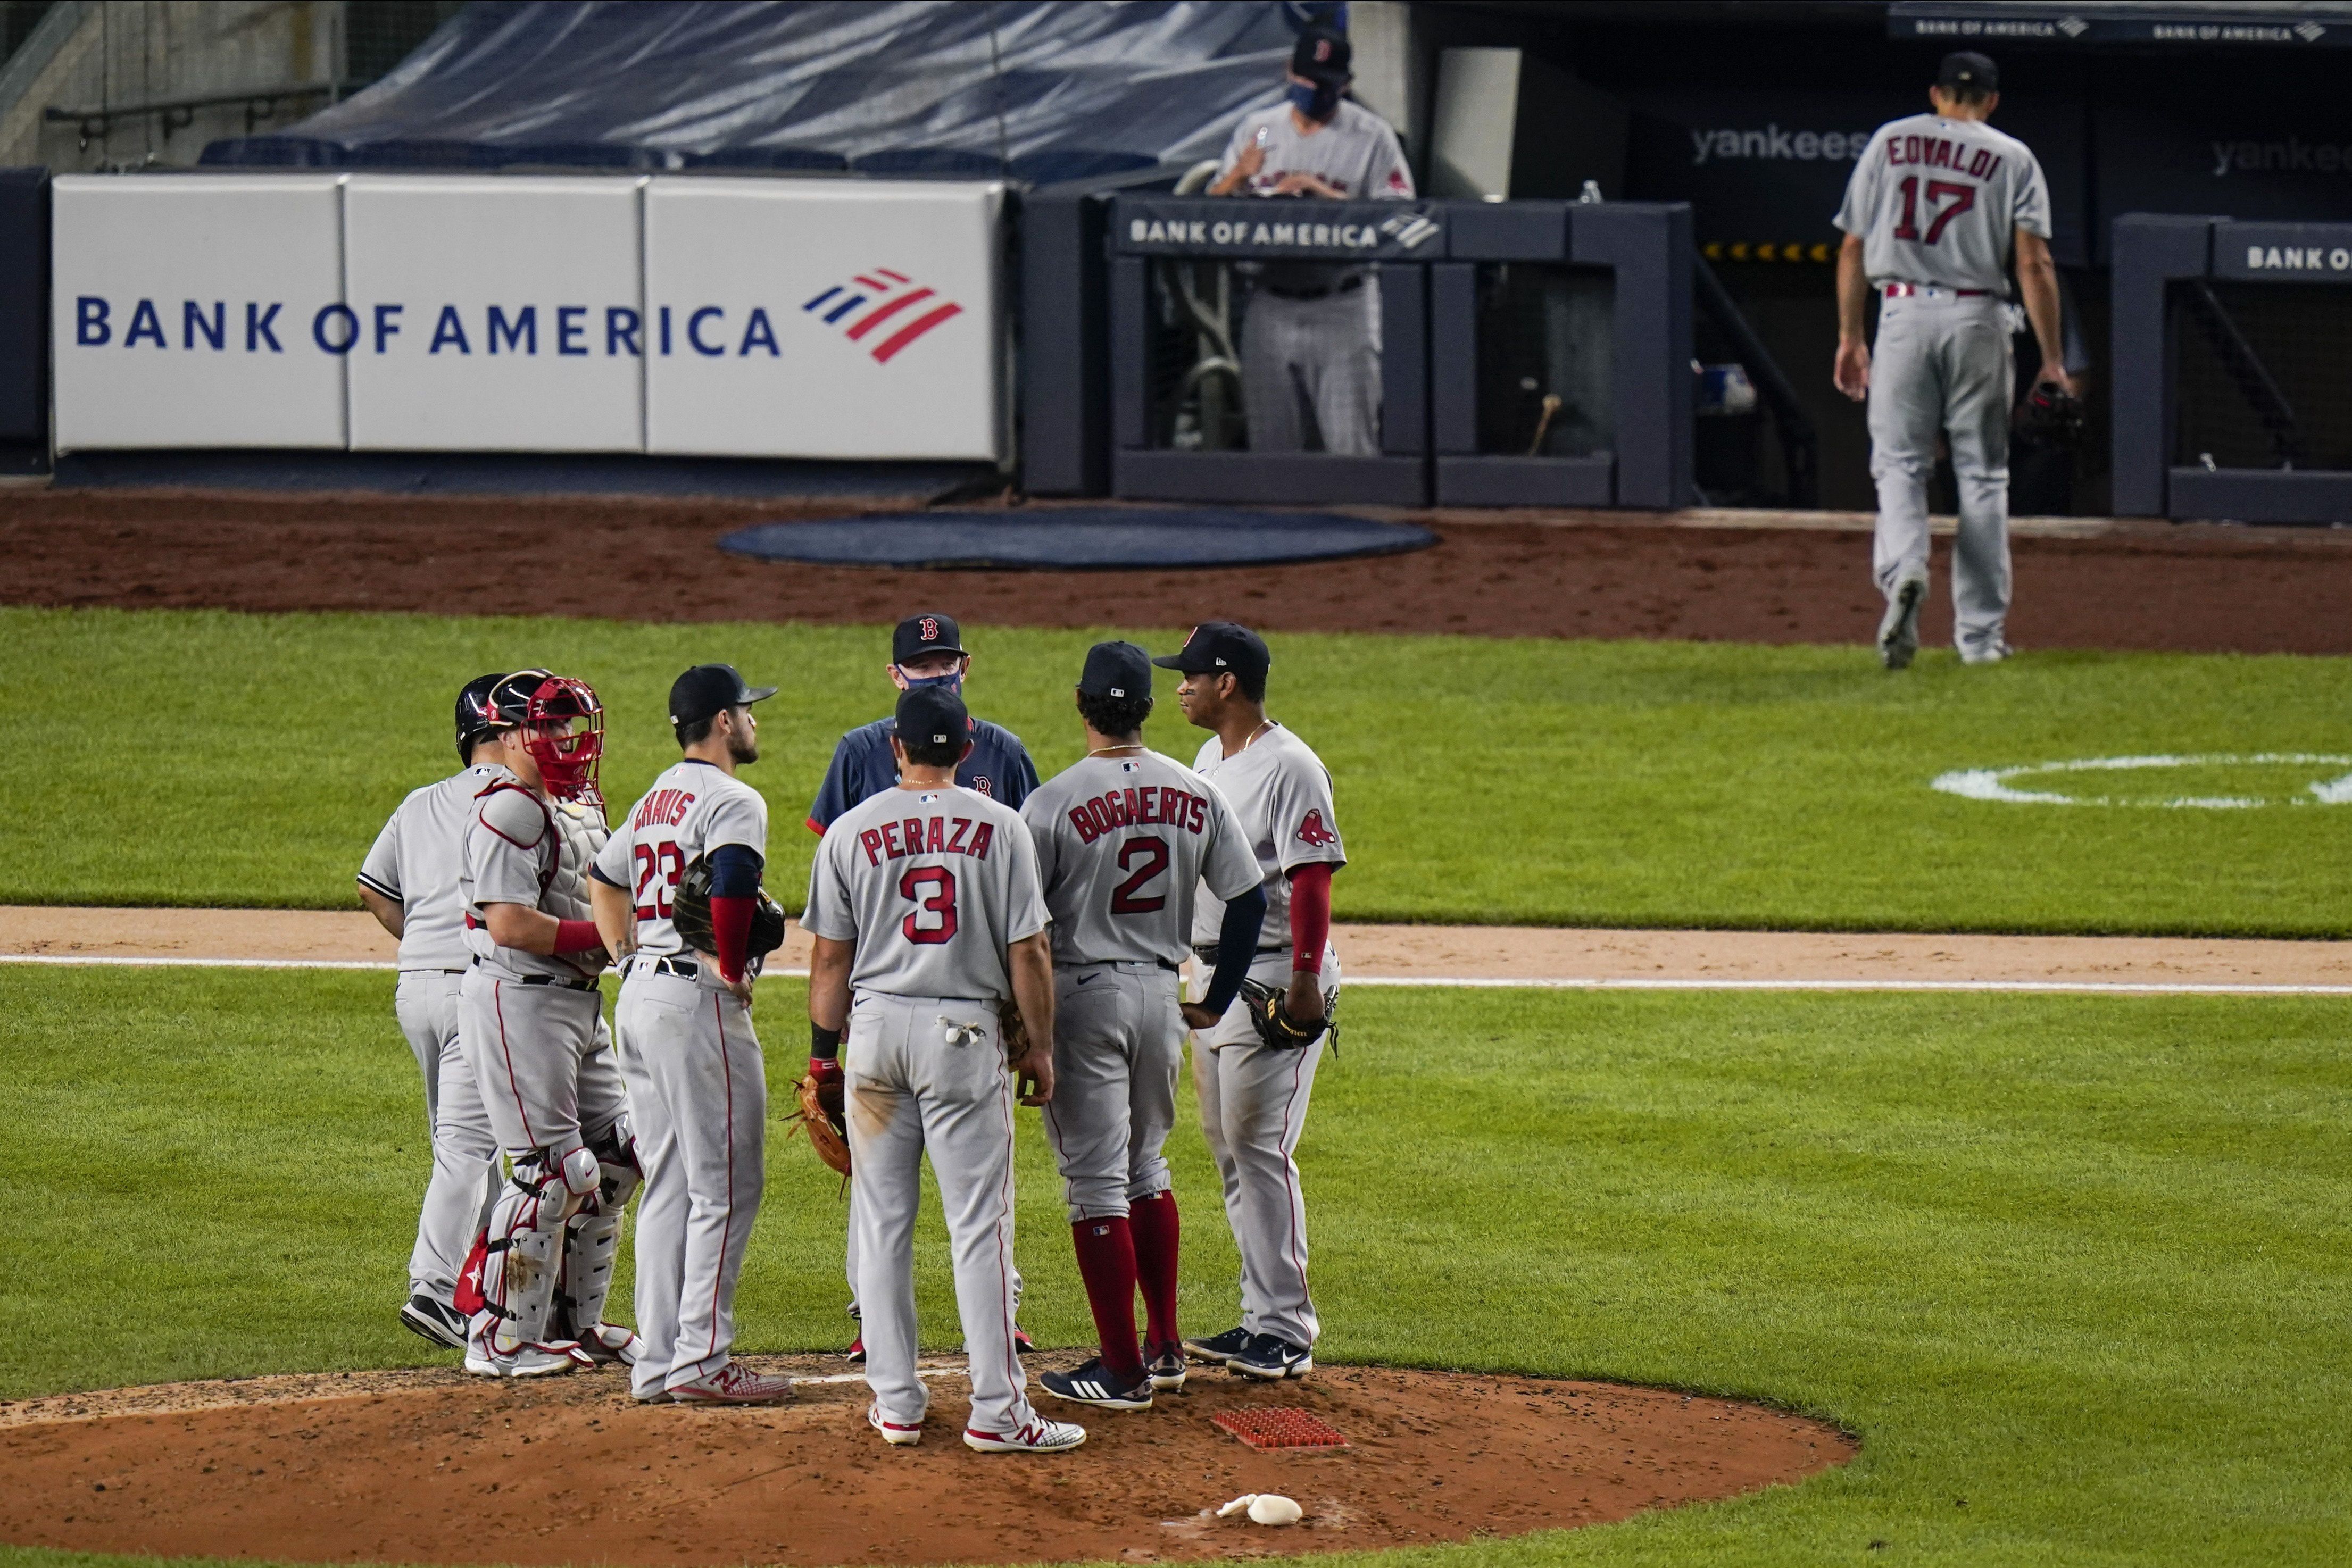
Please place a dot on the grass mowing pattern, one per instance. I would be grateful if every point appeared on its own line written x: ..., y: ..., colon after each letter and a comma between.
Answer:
x: 2074, y: 1267
x: 245, y: 759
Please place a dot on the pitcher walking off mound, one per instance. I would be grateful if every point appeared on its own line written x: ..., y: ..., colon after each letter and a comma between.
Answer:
x: 1255, y: 1068
x: 1125, y: 840
x: 1936, y: 205
x: 928, y: 917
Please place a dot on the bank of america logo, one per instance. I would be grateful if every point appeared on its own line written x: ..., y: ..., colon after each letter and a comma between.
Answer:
x: 880, y: 302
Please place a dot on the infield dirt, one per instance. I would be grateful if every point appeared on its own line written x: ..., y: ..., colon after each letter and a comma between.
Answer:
x: 2081, y: 583
x: 399, y: 1467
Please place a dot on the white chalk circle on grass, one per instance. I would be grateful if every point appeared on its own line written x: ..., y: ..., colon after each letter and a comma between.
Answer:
x: 2005, y: 784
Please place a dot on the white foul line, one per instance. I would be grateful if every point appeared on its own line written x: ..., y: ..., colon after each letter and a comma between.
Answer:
x: 1437, y: 982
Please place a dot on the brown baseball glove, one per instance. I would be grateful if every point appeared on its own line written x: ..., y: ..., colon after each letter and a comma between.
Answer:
x: 822, y: 1118
x: 1010, y: 1031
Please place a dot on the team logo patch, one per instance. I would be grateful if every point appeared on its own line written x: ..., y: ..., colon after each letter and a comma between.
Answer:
x: 929, y: 629
x: 892, y: 295
x: 1313, y: 831
x: 979, y: 783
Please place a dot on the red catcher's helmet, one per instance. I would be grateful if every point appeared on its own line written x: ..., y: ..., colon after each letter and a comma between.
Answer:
x: 563, y: 729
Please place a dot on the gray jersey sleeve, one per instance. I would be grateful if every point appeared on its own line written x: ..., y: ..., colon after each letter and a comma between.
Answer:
x: 738, y: 816
x: 506, y: 853
x: 1305, y: 827
x: 831, y: 913
x: 1230, y: 868
x: 2031, y: 203
x: 1860, y: 204
x: 381, y: 871
x: 1387, y: 175
x: 612, y: 861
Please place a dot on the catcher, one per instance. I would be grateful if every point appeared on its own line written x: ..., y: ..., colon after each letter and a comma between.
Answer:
x: 1255, y: 1067
x: 677, y: 899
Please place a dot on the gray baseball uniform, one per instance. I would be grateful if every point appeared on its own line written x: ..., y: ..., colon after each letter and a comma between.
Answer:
x: 1936, y: 204
x: 1124, y: 843
x: 414, y: 863
x: 697, y: 1081
x: 535, y: 1036
x: 1311, y: 337
x: 932, y: 886
x: 1253, y: 1096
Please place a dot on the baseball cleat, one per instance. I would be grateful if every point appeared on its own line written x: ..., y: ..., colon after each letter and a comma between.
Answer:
x: 439, y: 1321
x: 1272, y: 1359
x: 1095, y: 1384
x: 1166, y: 1368
x: 526, y: 1360
x: 1899, y: 632
x: 856, y: 1350
x: 1039, y: 1437
x: 610, y: 1344
x: 897, y: 1433
x: 1021, y: 1344
x: 659, y: 1396
x: 1991, y: 652
x: 1217, y: 1352
x: 734, y: 1384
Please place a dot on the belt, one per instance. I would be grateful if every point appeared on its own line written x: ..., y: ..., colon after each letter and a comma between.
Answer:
x: 1929, y: 291
x: 684, y: 969
x: 1207, y: 951
x: 556, y: 980
x: 1348, y: 285
x: 431, y: 971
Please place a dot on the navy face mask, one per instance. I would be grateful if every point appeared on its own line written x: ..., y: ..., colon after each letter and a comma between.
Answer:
x: 953, y: 683
x: 1317, y: 101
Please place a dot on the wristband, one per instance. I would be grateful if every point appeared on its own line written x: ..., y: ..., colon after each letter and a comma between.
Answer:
x: 825, y: 1044
x: 577, y: 936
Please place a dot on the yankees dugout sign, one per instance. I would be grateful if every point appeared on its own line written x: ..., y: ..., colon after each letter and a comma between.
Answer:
x: 442, y: 313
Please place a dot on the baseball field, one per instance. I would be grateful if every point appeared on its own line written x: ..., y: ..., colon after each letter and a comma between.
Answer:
x: 2061, y: 1277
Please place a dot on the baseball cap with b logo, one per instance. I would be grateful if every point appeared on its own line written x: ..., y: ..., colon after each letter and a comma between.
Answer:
x: 1323, y: 53
x: 1965, y: 70
x: 1216, y: 646
x: 927, y: 633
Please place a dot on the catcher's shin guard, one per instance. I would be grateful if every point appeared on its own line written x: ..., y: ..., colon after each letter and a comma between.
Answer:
x: 522, y: 1245
x: 592, y: 1236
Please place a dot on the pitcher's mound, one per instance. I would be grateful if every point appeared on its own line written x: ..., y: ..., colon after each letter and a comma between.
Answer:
x: 438, y: 1467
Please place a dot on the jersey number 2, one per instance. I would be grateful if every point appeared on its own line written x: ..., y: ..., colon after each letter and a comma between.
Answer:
x: 1964, y: 196
x: 1125, y: 898
x: 941, y: 902
x: 659, y: 866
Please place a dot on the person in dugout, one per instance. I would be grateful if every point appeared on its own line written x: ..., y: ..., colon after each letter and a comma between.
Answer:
x: 1311, y: 334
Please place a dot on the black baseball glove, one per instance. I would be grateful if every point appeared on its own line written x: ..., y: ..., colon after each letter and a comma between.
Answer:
x: 1274, y: 1024
x: 2049, y: 414
x: 690, y: 913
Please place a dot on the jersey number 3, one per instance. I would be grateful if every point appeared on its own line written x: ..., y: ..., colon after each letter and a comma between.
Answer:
x: 940, y: 901
x: 1963, y: 195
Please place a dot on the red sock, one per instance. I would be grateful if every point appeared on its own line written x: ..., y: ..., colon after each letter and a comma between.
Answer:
x: 1106, y: 1263
x: 1154, y: 1223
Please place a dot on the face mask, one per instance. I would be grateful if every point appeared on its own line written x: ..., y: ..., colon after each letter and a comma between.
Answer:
x: 953, y: 683
x: 1317, y: 101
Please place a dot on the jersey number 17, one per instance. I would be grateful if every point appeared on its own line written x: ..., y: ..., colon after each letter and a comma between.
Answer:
x: 1963, y: 196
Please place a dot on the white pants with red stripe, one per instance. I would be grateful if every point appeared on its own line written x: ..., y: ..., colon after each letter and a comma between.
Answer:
x: 928, y: 1074
x: 539, y: 1058
x: 1252, y: 1109
x: 465, y: 1180
x: 699, y: 1100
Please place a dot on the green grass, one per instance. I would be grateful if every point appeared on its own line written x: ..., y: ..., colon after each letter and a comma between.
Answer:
x: 2074, y: 1269
x: 195, y: 758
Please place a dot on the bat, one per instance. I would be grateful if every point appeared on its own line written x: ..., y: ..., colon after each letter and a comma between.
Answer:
x: 1543, y: 425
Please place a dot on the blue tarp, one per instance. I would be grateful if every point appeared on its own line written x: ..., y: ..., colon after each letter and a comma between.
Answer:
x: 1037, y: 91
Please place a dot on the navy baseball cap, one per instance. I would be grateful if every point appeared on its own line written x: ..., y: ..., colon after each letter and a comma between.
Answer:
x: 1215, y: 646
x: 933, y: 716
x: 1117, y: 670
x: 708, y: 690
x: 1323, y: 53
x: 1969, y: 71
x: 919, y: 634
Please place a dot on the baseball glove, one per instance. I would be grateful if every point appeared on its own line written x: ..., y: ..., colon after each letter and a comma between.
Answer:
x: 823, y: 1119
x: 690, y: 914
x: 1274, y: 1024
x: 1010, y: 1031
x: 2049, y: 414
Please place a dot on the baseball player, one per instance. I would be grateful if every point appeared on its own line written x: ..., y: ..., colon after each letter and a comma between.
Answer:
x: 1252, y: 1090
x: 1935, y: 206
x: 1311, y: 332
x: 1125, y: 837
x: 533, y: 1032
x: 409, y: 883
x: 928, y: 918
x: 926, y: 650
x: 697, y: 1081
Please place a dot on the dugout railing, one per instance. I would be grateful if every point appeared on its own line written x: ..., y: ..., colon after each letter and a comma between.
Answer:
x: 2232, y: 397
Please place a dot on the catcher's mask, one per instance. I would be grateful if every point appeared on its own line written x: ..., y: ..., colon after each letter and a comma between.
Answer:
x: 562, y: 725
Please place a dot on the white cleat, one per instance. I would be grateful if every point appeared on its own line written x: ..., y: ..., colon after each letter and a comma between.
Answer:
x: 1899, y: 632
x: 1992, y: 652
x: 526, y: 1360
x: 734, y: 1384
x: 896, y: 1433
x: 1039, y: 1437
